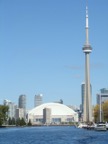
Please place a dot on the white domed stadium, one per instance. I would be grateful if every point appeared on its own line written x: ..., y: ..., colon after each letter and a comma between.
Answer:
x: 52, y: 113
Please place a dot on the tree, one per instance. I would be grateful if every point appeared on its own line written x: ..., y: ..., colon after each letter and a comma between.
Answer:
x: 18, y: 122
x: 22, y: 122
x: 9, y: 121
x: 29, y: 123
x: 105, y: 110
x: 3, y: 114
x: 13, y: 121
x: 96, y: 113
x: 104, y: 107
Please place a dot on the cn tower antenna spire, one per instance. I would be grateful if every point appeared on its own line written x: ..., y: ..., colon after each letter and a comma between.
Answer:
x: 87, y: 25
x: 86, y: 3
x: 86, y: 16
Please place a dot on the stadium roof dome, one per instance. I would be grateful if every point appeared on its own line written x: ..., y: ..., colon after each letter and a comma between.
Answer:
x: 56, y: 109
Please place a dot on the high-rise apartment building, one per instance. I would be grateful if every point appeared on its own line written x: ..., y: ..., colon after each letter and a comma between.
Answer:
x: 102, y: 96
x: 12, y: 108
x: 22, y: 103
x: 83, y: 94
x: 19, y: 113
x: 38, y: 100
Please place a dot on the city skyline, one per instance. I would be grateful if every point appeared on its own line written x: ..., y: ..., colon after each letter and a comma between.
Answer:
x: 41, y: 49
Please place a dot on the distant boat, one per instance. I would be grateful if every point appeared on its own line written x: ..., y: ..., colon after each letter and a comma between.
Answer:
x: 107, y: 125
x: 82, y: 125
x: 2, y: 126
x: 100, y: 127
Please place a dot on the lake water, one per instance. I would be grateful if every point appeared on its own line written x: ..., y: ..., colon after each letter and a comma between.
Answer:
x: 52, y: 135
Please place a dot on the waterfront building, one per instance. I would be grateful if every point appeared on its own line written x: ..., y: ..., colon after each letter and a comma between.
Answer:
x: 60, y: 101
x: 103, y: 96
x: 55, y: 113
x: 20, y: 113
x: 87, y: 114
x: 83, y: 95
x: 76, y: 109
x: 38, y: 100
x: 46, y: 115
x: 12, y: 108
x: 22, y: 104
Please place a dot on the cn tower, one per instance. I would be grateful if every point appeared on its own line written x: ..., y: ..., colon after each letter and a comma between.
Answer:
x: 87, y: 114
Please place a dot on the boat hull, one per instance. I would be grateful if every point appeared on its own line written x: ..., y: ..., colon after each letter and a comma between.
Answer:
x: 100, y: 128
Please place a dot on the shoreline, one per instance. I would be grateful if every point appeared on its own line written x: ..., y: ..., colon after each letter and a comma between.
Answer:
x: 12, y: 126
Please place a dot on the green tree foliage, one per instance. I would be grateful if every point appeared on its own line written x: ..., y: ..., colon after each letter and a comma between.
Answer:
x: 20, y: 122
x: 96, y: 113
x: 11, y: 121
x: 3, y: 114
x: 104, y: 112
x: 29, y: 123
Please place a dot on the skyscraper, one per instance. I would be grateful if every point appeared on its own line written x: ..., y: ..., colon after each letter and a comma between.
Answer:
x: 83, y: 95
x: 38, y: 100
x: 22, y: 103
x: 87, y: 97
x: 103, y: 96
x: 12, y: 108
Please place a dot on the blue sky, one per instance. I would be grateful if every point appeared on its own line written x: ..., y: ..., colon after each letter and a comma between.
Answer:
x: 41, y: 49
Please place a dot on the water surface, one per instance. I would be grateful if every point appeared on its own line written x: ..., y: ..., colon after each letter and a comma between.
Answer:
x: 52, y: 135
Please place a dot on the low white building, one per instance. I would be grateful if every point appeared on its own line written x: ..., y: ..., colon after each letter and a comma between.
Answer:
x: 60, y: 113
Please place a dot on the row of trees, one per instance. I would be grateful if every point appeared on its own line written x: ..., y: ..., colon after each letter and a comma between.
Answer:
x: 10, y: 121
x: 3, y: 114
x: 104, y: 112
x: 18, y: 122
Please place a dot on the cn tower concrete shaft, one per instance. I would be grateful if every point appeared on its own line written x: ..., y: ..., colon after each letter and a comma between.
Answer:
x: 87, y: 97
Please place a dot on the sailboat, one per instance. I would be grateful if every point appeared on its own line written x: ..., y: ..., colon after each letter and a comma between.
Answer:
x: 100, y: 126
